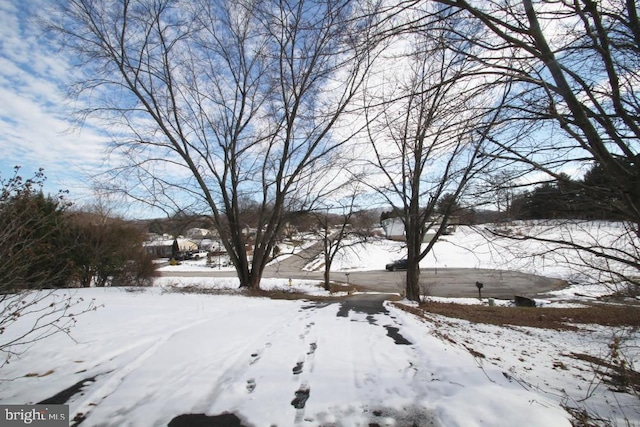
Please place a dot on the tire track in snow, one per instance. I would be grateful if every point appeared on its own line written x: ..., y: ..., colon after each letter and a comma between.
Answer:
x: 113, y: 382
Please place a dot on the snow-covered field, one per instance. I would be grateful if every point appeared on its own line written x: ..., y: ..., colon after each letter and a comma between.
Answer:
x: 147, y: 357
x: 470, y: 247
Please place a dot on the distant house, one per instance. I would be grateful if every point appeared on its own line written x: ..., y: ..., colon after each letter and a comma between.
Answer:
x: 162, y: 248
x: 198, y: 233
x: 289, y: 230
x: 249, y: 231
x: 214, y: 246
x: 394, y: 230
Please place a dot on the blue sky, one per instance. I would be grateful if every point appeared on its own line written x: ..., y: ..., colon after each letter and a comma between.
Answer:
x: 36, y: 123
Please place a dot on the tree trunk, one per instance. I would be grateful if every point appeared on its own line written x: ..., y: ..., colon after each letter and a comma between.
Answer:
x: 254, y: 280
x: 258, y: 263
x: 327, y: 278
x: 250, y: 273
x: 327, y: 258
x: 413, y: 282
x: 413, y: 263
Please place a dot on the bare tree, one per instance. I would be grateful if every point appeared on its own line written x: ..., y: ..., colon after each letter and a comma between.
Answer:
x: 336, y: 232
x: 427, y: 132
x: 215, y: 101
x: 571, y: 70
x: 497, y: 190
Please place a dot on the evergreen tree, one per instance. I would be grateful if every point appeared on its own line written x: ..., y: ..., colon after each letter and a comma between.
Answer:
x: 32, y: 228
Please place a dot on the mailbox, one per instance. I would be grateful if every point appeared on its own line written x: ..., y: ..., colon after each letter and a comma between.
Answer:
x: 479, y: 285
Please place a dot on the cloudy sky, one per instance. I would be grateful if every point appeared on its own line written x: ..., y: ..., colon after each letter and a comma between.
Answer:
x: 37, y: 129
x: 36, y: 123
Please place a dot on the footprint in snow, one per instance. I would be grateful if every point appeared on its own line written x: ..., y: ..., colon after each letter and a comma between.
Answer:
x: 302, y: 395
x: 312, y: 348
x: 298, y: 368
x: 255, y: 356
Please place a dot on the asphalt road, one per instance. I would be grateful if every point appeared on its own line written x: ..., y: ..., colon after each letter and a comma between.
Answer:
x: 449, y: 282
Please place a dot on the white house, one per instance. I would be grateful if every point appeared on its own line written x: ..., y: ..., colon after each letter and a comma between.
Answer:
x: 212, y: 245
x: 394, y: 230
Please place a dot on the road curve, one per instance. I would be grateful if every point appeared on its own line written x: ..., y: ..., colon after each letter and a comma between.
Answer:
x: 448, y: 282
x: 442, y: 282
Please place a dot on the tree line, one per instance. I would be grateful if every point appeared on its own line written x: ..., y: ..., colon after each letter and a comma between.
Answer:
x: 47, y: 244
x: 592, y: 197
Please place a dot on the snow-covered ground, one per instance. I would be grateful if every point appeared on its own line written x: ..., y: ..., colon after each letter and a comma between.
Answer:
x: 474, y: 247
x: 147, y: 357
x: 468, y: 247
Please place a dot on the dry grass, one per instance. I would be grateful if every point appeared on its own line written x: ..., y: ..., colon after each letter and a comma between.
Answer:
x: 337, y: 291
x: 617, y: 376
x: 548, y: 318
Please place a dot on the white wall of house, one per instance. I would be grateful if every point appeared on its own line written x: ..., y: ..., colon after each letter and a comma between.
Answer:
x: 197, y: 233
x: 393, y: 228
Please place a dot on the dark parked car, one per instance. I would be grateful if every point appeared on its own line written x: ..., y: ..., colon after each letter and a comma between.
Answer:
x: 400, y: 264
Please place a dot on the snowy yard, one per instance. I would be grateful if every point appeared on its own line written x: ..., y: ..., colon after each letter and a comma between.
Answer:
x: 145, y: 358
x: 469, y: 247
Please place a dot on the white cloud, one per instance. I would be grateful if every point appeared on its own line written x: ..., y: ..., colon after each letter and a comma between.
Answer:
x: 36, y: 128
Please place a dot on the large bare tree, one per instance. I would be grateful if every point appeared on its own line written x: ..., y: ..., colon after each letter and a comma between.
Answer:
x: 427, y: 127
x: 214, y: 102
x: 572, y: 70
